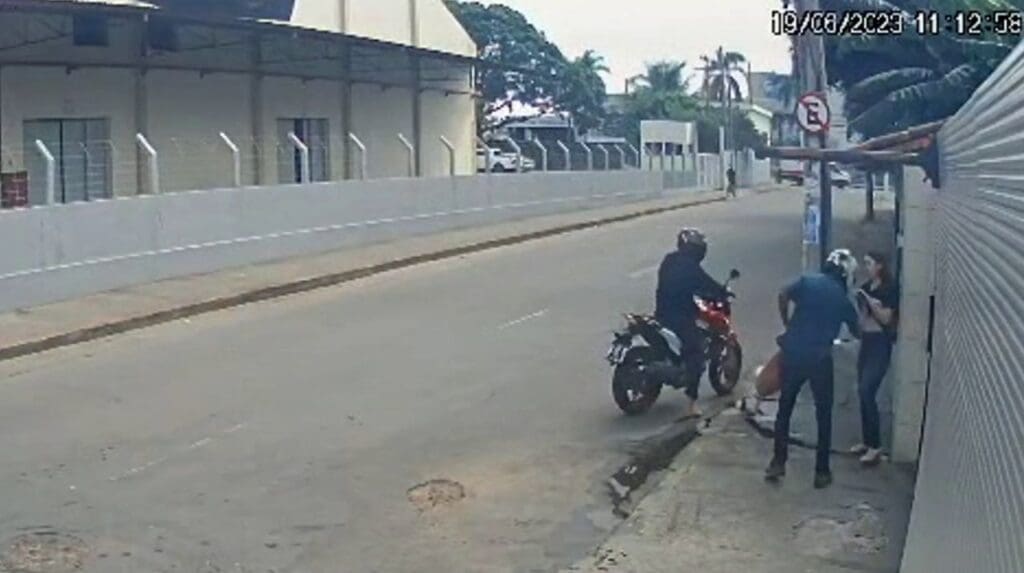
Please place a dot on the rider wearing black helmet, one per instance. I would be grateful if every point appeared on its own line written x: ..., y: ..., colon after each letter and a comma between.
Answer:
x: 680, y: 278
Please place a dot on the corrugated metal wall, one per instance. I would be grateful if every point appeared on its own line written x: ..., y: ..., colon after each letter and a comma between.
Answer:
x: 969, y: 507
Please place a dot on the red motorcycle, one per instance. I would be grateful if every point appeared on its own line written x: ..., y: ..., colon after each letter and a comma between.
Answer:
x: 647, y: 356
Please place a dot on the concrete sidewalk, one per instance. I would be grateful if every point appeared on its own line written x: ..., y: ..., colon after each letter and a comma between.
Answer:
x: 713, y: 512
x: 37, y: 329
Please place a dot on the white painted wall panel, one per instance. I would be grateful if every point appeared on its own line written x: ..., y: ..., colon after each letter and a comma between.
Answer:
x: 186, y: 114
x: 48, y: 93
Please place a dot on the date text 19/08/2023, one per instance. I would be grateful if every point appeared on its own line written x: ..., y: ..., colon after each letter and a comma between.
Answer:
x: 894, y: 23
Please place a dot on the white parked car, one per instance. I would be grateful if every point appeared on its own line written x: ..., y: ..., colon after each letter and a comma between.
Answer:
x: 500, y: 161
x: 840, y: 178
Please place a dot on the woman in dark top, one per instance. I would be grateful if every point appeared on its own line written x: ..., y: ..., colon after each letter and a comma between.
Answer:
x: 878, y: 304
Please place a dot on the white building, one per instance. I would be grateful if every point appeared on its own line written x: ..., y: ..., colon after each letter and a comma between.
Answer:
x: 85, y: 77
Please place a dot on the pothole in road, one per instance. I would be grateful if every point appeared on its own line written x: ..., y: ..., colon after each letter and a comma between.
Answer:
x: 436, y: 493
x: 44, y: 551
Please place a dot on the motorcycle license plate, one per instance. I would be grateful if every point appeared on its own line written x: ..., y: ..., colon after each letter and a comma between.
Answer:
x: 617, y: 354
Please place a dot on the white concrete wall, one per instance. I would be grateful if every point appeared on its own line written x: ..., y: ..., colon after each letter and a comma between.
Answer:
x: 386, y: 20
x: 910, y: 362
x: 440, y: 30
x: 378, y: 116
x: 454, y: 117
x: 70, y: 250
x: 28, y: 93
x: 186, y: 114
x: 289, y: 99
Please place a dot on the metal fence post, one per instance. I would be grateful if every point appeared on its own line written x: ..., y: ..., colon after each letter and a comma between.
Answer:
x: 362, y: 154
x: 236, y: 159
x: 451, y: 154
x: 304, y: 154
x: 519, y: 154
x: 412, y: 154
x: 607, y: 158
x: 154, y: 163
x: 636, y: 154
x: 51, y: 171
x: 543, y: 154
x: 622, y: 156
x: 488, y: 164
x: 568, y: 155
x: 590, y: 156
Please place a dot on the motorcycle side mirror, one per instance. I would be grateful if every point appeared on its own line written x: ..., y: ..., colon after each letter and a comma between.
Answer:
x: 734, y: 274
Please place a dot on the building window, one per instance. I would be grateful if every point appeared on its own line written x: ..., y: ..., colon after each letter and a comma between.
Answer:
x: 314, y: 133
x: 90, y: 30
x: 82, y: 150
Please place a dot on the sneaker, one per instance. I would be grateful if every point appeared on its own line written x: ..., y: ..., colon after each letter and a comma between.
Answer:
x: 776, y: 470
x: 822, y: 480
x: 871, y: 457
x: 859, y: 450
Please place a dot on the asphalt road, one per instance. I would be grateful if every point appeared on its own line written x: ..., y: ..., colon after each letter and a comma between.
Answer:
x: 286, y: 436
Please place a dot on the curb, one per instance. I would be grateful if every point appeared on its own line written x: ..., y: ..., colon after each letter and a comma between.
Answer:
x: 314, y: 283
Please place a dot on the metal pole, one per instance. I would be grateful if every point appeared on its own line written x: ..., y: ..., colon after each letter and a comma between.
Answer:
x: 51, y: 171
x: 810, y: 62
x: 622, y: 156
x: 519, y: 155
x: 451, y: 154
x: 568, y: 155
x: 88, y: 168
x: 304, y: 156
x: 154, y: 163
x: 636, y: 153
x: 411, y: 149
x: 590, y: 156
x: 661, y: 155
x: 869, y: 196
x: 236, y: 158
x: 362, y: 154
x: 721, y: 157
x: 543, y: 154
x: 487, y: 153
x: 607, y: 157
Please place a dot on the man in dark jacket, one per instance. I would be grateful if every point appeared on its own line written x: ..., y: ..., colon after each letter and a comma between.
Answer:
x: 680, y: 278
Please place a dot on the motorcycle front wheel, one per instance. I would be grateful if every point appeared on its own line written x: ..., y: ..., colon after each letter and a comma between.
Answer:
x: 725, y: 364
x: 634, y: 394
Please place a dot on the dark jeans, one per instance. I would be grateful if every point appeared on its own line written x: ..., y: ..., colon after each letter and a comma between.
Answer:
x: 796, y: 371
x: 691, y: 341
x: 872, y: 364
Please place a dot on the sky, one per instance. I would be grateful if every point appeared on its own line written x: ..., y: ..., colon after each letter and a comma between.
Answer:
x: 629, y: 33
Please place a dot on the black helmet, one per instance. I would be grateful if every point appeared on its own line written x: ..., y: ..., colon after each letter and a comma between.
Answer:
x: 693, y: 243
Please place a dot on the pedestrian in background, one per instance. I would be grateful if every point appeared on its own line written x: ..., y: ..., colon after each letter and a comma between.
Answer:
x: 877, y: 305
x: 730, y: 177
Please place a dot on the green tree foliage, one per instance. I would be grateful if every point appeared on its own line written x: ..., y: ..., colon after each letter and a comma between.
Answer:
x: 662, y: 94
x: 895, y: 82
x: 720, y: 71
x: 527, y: 69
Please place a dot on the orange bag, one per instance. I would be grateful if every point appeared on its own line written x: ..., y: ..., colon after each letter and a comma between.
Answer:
x: 769, y: 379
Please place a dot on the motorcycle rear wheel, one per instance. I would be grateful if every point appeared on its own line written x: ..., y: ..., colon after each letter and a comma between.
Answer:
x: 725, y: 366
x: 634, y: 394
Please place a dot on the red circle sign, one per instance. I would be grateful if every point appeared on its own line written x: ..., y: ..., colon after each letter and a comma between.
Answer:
x: 813, y: 113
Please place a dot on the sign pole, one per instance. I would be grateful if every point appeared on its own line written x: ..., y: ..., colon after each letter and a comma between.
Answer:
x: 813, y: 115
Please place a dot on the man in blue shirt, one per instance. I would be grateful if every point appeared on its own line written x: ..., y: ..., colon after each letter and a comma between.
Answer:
x: 821, y: 307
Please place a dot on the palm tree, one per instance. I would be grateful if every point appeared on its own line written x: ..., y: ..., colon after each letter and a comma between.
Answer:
x: 666, y: 77
x: 893, y: 83
x: 583, y: 91
x: 720, y: 73
x: 662, y: 92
